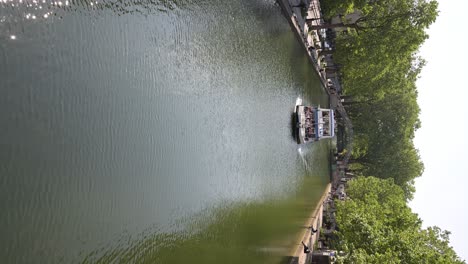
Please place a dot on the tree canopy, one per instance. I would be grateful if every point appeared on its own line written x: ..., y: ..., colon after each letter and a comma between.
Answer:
x: 379, y: 66
x: 376, y: 49
x: 376, y: 226
x: 386, y: 128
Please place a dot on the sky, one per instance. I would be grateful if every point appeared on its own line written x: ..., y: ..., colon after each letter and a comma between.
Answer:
x: 441, y: 196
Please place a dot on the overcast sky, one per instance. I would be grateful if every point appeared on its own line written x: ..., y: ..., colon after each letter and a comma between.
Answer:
x: 442, y: 191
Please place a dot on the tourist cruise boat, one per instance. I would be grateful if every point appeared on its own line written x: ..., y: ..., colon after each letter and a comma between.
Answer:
x: 314, y: 123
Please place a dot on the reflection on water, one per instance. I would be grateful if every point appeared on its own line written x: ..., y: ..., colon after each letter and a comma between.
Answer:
x: 134, y: 130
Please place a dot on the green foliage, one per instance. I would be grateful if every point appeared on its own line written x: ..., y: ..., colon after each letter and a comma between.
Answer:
x: 379, y: 69
x: 377, y: 226
x: 385, y: 129
x: 331, y: 8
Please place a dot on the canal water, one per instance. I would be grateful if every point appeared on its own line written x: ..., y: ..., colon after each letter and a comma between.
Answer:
x: 153, y: 132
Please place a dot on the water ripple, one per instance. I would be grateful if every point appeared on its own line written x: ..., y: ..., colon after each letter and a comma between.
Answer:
x: 132, y: 128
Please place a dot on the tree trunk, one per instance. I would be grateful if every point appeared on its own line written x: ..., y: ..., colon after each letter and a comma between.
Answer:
x: 312, y: 19
x: 338, y: 25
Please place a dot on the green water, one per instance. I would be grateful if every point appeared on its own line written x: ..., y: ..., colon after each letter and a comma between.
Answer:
x: 265, y: 232
x: 155, y: 132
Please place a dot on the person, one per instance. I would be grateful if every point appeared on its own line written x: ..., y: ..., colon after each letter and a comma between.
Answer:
x: 306, y: 248
x: 313, y: 230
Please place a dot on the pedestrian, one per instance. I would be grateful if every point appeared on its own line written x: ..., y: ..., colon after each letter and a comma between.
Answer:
x: 313, y: 230
x: 306, y: 248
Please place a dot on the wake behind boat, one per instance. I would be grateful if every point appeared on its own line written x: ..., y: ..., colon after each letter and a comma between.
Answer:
x: 314, y: 123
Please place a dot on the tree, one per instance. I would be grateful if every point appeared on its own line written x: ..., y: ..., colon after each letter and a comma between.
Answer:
x: 387, y: 15
x: 379, y: 68
x: 384, y: 129
x: 377, y: 226
x: 379, y: 47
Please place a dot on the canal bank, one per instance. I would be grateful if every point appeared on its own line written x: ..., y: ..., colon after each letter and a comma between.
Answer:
x: 301, y: 15
x: 309, y: 238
